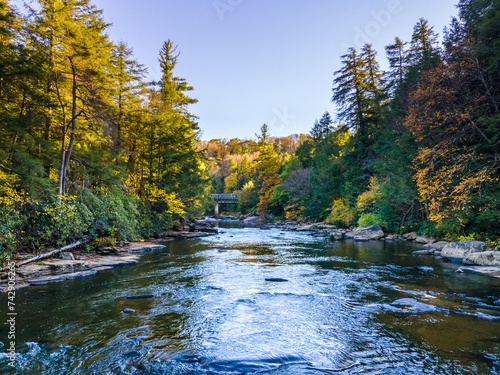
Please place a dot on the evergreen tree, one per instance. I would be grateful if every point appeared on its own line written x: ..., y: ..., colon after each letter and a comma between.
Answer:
x: 398, y: 57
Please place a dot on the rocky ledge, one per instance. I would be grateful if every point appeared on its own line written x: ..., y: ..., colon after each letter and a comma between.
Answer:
x: 67, y: 267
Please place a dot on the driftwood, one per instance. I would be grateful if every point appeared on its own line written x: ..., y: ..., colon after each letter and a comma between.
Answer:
x: 46, y: 255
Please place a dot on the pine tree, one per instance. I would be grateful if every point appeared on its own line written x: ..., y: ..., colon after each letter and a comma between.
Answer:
x: 398, y: 57
x: 350, y: 91
x: 423, y: 46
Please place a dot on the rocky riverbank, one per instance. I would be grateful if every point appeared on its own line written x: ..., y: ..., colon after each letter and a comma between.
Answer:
x: 475, y: 255
x: 73, y: 265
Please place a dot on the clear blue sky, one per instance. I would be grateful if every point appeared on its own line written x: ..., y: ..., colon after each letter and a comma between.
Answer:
x: 263, y: 61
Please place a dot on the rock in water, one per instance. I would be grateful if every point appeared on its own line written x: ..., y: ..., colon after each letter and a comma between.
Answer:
x: 425, y: 252
x: 412, y: 236
x: 276, y: 280
x: 485, y: 258
x: 412, y: 305
x: 336, y: 235
x: 140, y: 296
x: 128, y: 311
x: 456, y: 251
x: 371, y: 233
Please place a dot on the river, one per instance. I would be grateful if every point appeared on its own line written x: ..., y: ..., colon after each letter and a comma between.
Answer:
x: 214, y: 312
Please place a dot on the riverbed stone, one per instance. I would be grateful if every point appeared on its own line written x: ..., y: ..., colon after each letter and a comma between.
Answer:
x: 483, y: 270
x: 33, y: 270
x: 307, y: 228
x: 128, y: 311
x: 336, y: 235
x: 485, y: 258
x: 456, y: 251
x: 412, y: 236
x: 436, y: 245
x: 276, y: 279
x: 412, y: 305
x: 371, y: 233
x: 425, y: 252
x: 66, y: 255
x: 423, y: 240
x: 252, y: 219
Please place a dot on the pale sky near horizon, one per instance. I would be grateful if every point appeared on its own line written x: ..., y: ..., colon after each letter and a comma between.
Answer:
x: 263, y: 61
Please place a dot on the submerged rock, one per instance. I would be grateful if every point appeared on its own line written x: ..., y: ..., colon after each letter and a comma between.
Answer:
x: 412, y: 305
x: 140, y: 296
x: 276, y: 279
x: 457, y: 251
x: 483, y: 270
x: 128, y: 311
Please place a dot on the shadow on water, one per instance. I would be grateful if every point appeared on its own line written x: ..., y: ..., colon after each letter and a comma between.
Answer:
x: 219, y: 310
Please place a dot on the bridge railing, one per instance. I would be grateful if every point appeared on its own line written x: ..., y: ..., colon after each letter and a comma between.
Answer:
x: 225, y: 198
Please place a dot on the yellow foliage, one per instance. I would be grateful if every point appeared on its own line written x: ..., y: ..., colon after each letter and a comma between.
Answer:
x: 367, y: 200
x: 175, y: 206
x: 341, y: 212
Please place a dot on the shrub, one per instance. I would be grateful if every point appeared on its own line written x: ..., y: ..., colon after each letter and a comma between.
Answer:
x: 341, y: 213
x: 368, y: 220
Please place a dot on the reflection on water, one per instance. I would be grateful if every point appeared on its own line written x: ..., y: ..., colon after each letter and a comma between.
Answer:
x: 215, y: 313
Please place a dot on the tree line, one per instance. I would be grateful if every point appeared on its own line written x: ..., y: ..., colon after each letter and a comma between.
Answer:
x: 412, y: 148
x: 88, y: 147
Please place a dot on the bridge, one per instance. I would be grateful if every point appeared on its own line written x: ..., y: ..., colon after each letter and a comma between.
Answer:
x: 224, y: 198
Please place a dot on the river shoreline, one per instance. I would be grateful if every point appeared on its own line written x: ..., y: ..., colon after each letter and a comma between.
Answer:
x: 73, y: 265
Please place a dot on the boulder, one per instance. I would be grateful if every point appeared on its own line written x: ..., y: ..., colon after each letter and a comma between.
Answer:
x: 66, y: 255
x: 436, y: 245
x: 252, y: 219
x: 482, y: 270
x: 456, y: 251
x: 422, y: 239
x: 350, y: 234
x: 485, y: 258
x: 412, y: 236
x: 306, y: 228
x: 371, y: 233
x: 336, y: 235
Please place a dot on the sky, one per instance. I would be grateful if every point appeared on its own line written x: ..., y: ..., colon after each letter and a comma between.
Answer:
x: 263, y: 61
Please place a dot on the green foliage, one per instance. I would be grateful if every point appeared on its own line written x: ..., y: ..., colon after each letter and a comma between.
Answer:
x: 367, y: 220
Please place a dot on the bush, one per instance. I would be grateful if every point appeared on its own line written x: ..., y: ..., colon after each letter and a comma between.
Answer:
x: 341, y: 213
x: 367, y: 220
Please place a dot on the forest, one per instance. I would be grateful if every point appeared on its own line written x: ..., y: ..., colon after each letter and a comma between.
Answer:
x: 90, y: 149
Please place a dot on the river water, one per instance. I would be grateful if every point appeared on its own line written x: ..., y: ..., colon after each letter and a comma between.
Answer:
x: 214, y: 312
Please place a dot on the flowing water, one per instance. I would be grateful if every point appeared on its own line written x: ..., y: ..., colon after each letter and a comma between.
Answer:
x: 214, y: 312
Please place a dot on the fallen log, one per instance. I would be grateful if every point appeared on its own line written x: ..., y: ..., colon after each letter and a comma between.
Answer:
x: 46, y: 255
